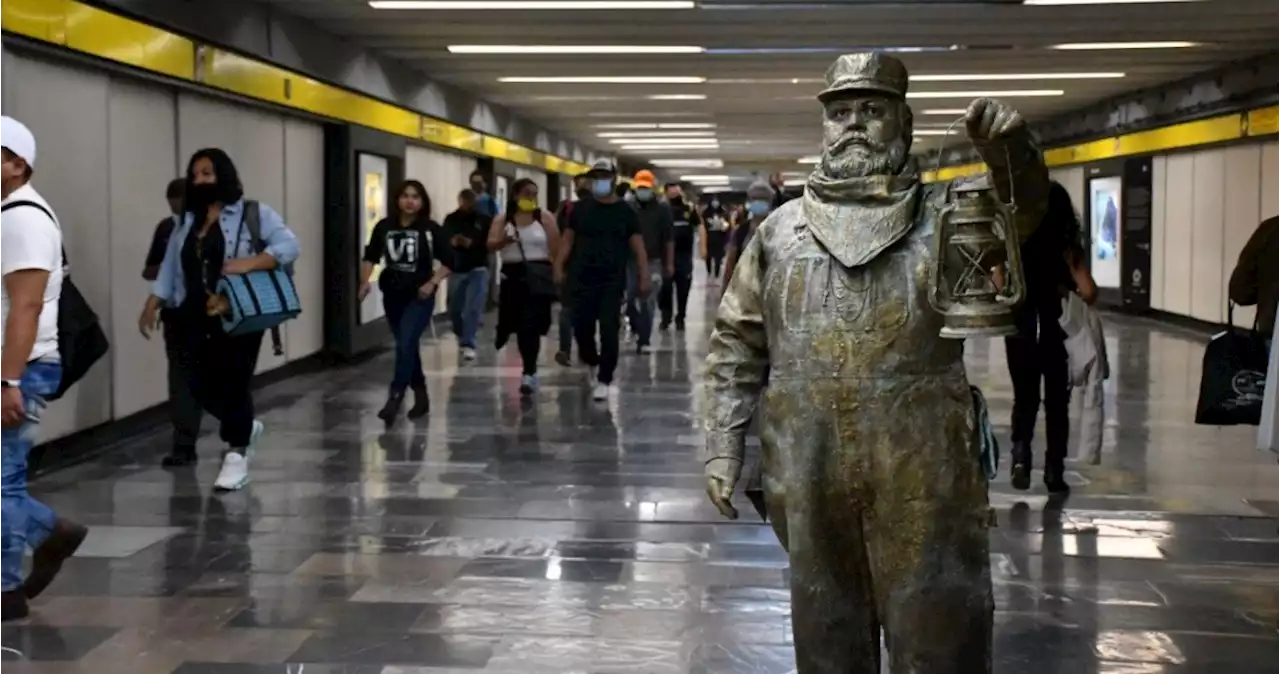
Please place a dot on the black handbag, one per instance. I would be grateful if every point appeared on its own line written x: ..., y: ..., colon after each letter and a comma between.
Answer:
x: 537, y: 274
x: 1233, y: 377
x: 81, y: 340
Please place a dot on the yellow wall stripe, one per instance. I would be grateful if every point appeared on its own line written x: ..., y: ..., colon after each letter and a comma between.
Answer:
x: 1176, y: 137
x: 89, y: 30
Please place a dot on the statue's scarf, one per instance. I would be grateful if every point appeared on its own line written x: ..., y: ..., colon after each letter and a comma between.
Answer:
x: 856, y: 219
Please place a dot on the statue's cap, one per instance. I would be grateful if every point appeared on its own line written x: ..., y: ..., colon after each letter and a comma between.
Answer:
x: 867, y: 71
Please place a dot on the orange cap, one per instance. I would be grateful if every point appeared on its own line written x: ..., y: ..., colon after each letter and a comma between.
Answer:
x: 643, y: 179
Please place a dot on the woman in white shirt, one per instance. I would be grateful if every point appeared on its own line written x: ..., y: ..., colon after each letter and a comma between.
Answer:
x: 526, y: 237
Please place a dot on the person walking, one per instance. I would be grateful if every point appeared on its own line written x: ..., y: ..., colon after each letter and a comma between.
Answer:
x: 526, y: 237
x: 686, y: 228
x: 656, y: 230
x: 213, y: 242
x: 760, y: 200
x: 31, y: 260
x: 1254, y: 278
x: 592, y: 261
x: 185, y: 412
x: 581, y: 192
x: 1037, y: 351
x: 407, y: 242
x: 716, y: 219
x: 467, y: 232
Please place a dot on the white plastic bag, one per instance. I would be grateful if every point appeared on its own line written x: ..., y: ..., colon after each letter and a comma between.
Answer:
x: 1269, y: 435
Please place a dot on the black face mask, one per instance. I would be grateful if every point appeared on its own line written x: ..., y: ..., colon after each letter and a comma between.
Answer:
x: 477, y: 187
x: 584, y: 193
x: 677, y: 200
x: 200, y: 197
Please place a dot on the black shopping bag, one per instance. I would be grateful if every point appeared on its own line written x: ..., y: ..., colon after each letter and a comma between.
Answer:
x: 1233, y: 378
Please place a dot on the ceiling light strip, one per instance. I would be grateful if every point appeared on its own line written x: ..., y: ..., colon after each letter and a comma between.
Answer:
x: 573, y: 49
x: 518, y: 5
x: 1088, y: 46
x: 1012, y: 93
x: 644, y: 79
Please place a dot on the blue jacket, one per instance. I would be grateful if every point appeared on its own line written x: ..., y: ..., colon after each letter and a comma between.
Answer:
x: 170, y: 286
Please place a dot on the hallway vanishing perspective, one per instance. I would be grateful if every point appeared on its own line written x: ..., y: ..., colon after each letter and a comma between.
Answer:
x: 563, y: 536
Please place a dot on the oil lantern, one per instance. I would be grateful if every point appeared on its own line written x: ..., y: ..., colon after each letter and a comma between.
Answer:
x: 976, y: 234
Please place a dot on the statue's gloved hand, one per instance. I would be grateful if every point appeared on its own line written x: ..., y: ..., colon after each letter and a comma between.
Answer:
x: 722, y: 476
x: 988, y: 119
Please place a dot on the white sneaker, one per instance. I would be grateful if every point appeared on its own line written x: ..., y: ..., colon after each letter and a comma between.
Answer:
x: 644, y: 349
x: 468, y: 354
x: 600, y: 392
x: 234, y: 474
x: 528, y: 384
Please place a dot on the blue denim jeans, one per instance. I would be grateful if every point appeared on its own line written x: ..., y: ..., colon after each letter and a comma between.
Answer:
x: 26, y: 522
x: 467, y: 293
x: 408, y: 316
x: 642, y: 309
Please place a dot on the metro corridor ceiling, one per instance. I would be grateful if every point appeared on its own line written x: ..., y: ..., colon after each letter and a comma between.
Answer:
x: 742, y: 74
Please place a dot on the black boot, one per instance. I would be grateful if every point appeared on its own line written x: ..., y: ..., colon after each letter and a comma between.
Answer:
x: 679, y: 325
x: 13, y: 606
x: 392, y: 408
x: 1020, y: 469
x: 421, y: 403
x: 1055, y: 478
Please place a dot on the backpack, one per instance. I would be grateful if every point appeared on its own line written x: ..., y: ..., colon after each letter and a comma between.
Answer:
x: 253, y: 223
x: 81, y: 341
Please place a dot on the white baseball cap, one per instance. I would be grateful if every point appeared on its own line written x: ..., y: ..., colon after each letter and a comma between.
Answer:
x: 18, y: 139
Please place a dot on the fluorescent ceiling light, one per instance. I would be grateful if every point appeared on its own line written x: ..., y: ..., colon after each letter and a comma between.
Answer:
x: 717, y: 190
x: 1100, y: 2
x: 604, y: 80
x: 615, y: 114
x: 954, y: 112
x: 677, y: 97
x: 705, y: 178
x: 688, y: 163
x: 1010, y: 93
x: 994, y: 77
x: 814, y: 159
x: 669, y: 148
x: 795, y: 182
x: 516, y: 5
x: 570, y: 49
x: 1085, y: 46
x: 664, y: 141
x: 677, y: 125
x: 656, y: 134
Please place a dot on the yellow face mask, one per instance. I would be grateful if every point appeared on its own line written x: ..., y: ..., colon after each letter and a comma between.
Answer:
x: 527, y: 205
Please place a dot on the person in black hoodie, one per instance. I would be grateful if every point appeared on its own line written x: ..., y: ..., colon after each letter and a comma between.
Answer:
x: 406, y: 243
x: 467, y: 230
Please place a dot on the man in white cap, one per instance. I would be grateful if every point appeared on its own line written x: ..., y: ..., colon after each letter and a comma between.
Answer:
x: 30, y: 371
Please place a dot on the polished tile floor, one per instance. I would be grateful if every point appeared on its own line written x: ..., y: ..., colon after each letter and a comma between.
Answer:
x: 562, y: 536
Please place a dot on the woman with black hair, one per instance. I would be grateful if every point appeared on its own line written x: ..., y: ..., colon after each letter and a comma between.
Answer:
x: 1051, y: 260
x: 213, y: 241
x: 407, y: 244
x: 526, y: 237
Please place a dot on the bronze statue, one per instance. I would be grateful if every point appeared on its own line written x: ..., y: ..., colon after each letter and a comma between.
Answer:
x: 870, y: 432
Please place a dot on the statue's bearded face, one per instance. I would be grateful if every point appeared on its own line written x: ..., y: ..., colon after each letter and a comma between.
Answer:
x: 865, y: 133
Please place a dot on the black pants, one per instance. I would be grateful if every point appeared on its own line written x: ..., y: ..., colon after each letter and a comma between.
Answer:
x: 675, y: 290
x: 523, y: 313
x: 598, y: 304
x: 715, y: 252
x: 1037, y: 352
x: 185, y: 412
x: 220, y: 368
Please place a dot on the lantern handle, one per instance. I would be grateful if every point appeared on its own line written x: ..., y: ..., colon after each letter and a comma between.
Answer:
x: 1008, y: 160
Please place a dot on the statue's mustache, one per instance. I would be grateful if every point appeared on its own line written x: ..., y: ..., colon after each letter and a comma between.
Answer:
x: 851, y: 140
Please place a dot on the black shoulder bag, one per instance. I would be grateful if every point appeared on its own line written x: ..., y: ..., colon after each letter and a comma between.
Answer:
x: 81, y: 341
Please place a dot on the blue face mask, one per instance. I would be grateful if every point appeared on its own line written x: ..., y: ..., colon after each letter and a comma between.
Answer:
x: 602, y: 187
x: 644, y: 194
x: 758, y: 207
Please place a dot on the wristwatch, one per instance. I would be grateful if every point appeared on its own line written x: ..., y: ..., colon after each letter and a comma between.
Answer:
x: 10, y: 383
